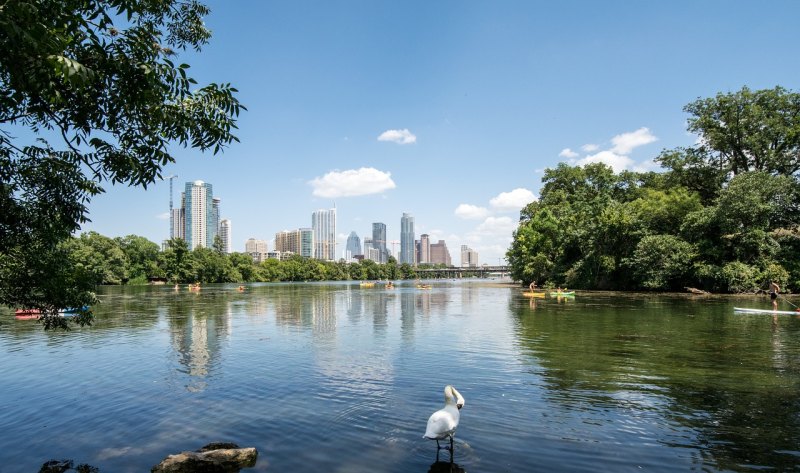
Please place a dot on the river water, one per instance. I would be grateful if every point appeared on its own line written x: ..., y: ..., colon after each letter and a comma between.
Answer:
x: 338, y: 378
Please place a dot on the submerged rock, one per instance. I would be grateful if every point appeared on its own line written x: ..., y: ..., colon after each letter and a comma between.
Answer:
x: 213, y: 458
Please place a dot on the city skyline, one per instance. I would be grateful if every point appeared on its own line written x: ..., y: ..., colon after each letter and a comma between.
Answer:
x: 450, y: 111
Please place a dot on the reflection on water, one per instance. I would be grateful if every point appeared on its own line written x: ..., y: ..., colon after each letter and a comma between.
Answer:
x: 343, y: 378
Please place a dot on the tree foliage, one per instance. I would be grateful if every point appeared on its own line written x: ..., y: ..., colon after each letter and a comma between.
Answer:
x: 91, y: 92
x: 723, y: 215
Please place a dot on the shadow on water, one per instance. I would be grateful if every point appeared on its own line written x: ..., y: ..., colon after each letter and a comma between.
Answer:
x: 445, y: 467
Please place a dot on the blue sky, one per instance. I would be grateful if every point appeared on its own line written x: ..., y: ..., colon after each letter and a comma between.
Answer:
x: 449, y: 110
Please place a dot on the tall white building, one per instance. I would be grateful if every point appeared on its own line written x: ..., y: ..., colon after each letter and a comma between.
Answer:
x: 225, y: 235
x: 200, y: 225
x: 323, y: 227
x: 469, y: 257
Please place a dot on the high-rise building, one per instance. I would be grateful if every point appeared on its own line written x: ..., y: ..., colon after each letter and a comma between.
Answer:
x: 323, y: 226
x: 215, y: 216
x: 370, y: 252
x: 379, y: 241
x: 200, y: 228
x: 407, y: 239
x: 178, y: 223
x: 440, y: 254
x: 257, y: 249
x: 298, y: 242
x: 424, y: 249
x: 307, y: 242
x: 469, y: 257
x: 225, y: 235
x: 353, y: 247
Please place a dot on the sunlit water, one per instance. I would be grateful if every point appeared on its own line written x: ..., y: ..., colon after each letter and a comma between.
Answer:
x: 336, y: 378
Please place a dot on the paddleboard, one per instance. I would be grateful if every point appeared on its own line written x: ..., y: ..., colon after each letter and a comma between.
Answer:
x: 764, y: 311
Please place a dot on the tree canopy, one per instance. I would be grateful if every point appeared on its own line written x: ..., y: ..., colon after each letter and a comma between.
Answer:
x: 91, y: 92
x: 723, y: 215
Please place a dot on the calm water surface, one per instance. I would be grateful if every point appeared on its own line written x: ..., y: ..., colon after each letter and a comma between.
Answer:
x: 332, y: 377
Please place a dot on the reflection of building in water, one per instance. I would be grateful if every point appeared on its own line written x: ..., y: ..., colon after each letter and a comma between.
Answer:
x: 353, y: 304
x: 377, y: 306
x: 469, y: 296
x: 312, y: 310
x: 429, y: 300
x: 197, y: 339
x: 407, y: 315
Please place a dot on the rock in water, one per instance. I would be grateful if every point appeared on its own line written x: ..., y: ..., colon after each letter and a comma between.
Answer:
x: 212, y: 458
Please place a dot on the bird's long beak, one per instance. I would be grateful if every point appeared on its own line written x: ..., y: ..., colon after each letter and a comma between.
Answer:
x: 459, y: 406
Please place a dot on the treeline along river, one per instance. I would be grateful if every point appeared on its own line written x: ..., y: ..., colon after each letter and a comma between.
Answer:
x: 336, y: 377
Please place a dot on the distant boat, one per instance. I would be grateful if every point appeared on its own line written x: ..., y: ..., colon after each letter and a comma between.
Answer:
x: 424, y: 286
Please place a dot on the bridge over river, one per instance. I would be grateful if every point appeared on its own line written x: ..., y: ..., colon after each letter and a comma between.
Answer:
x: 476, y: 271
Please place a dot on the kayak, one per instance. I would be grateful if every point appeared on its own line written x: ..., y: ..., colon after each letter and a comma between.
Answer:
x: 562, y: 294
x: 533, y: 294
x: 765, y: 311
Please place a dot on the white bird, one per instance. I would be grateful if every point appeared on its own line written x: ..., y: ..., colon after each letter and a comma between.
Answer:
x: 443, y: 423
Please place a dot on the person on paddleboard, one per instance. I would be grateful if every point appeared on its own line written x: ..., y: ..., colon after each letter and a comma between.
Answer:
x: 774, y: 289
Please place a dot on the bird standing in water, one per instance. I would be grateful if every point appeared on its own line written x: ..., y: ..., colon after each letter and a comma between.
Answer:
x: 443, y: 423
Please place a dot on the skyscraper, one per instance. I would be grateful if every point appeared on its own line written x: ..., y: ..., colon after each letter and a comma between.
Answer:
x: 225, y: 235
x: 323, y: 226
x: 353, y: 247
x: 440, y: 254
x: 215, y: 217
x: 407, y: 239
x: 200, y: 227
x: 379, y: 241
x: 424, y: 249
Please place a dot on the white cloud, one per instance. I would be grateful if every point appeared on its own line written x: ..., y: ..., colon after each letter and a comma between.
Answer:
x: 514, y: 200
x: 626, y: 142
x: 164, y: 216
x: 401, y: 137
x: 471, y: 212
x: 568, y: 153
x: 497, y: 226
x: 590, y: 147
x: 617, y: 162
x: 353, y: 182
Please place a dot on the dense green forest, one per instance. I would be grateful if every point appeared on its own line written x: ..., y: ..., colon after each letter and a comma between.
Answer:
x: 135, y: 260
x: 722, y: 215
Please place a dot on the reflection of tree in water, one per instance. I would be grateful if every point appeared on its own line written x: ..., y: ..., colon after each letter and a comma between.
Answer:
x: 716, y: 375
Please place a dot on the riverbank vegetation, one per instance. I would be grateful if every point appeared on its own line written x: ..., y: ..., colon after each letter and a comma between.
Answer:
x: 137, y: 260
x: 92, y: 92
x: 722, y: 215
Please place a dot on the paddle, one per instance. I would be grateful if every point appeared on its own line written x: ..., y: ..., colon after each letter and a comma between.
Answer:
x: 790, y: 303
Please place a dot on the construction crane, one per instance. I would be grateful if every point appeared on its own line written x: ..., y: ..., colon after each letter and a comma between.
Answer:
x: 171, y: 216
x: 394, y: 247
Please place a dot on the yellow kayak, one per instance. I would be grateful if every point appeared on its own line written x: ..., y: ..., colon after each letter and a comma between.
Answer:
x: 533, y: 294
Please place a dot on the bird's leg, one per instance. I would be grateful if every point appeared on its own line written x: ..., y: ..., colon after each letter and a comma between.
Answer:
x: 437, y: 446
